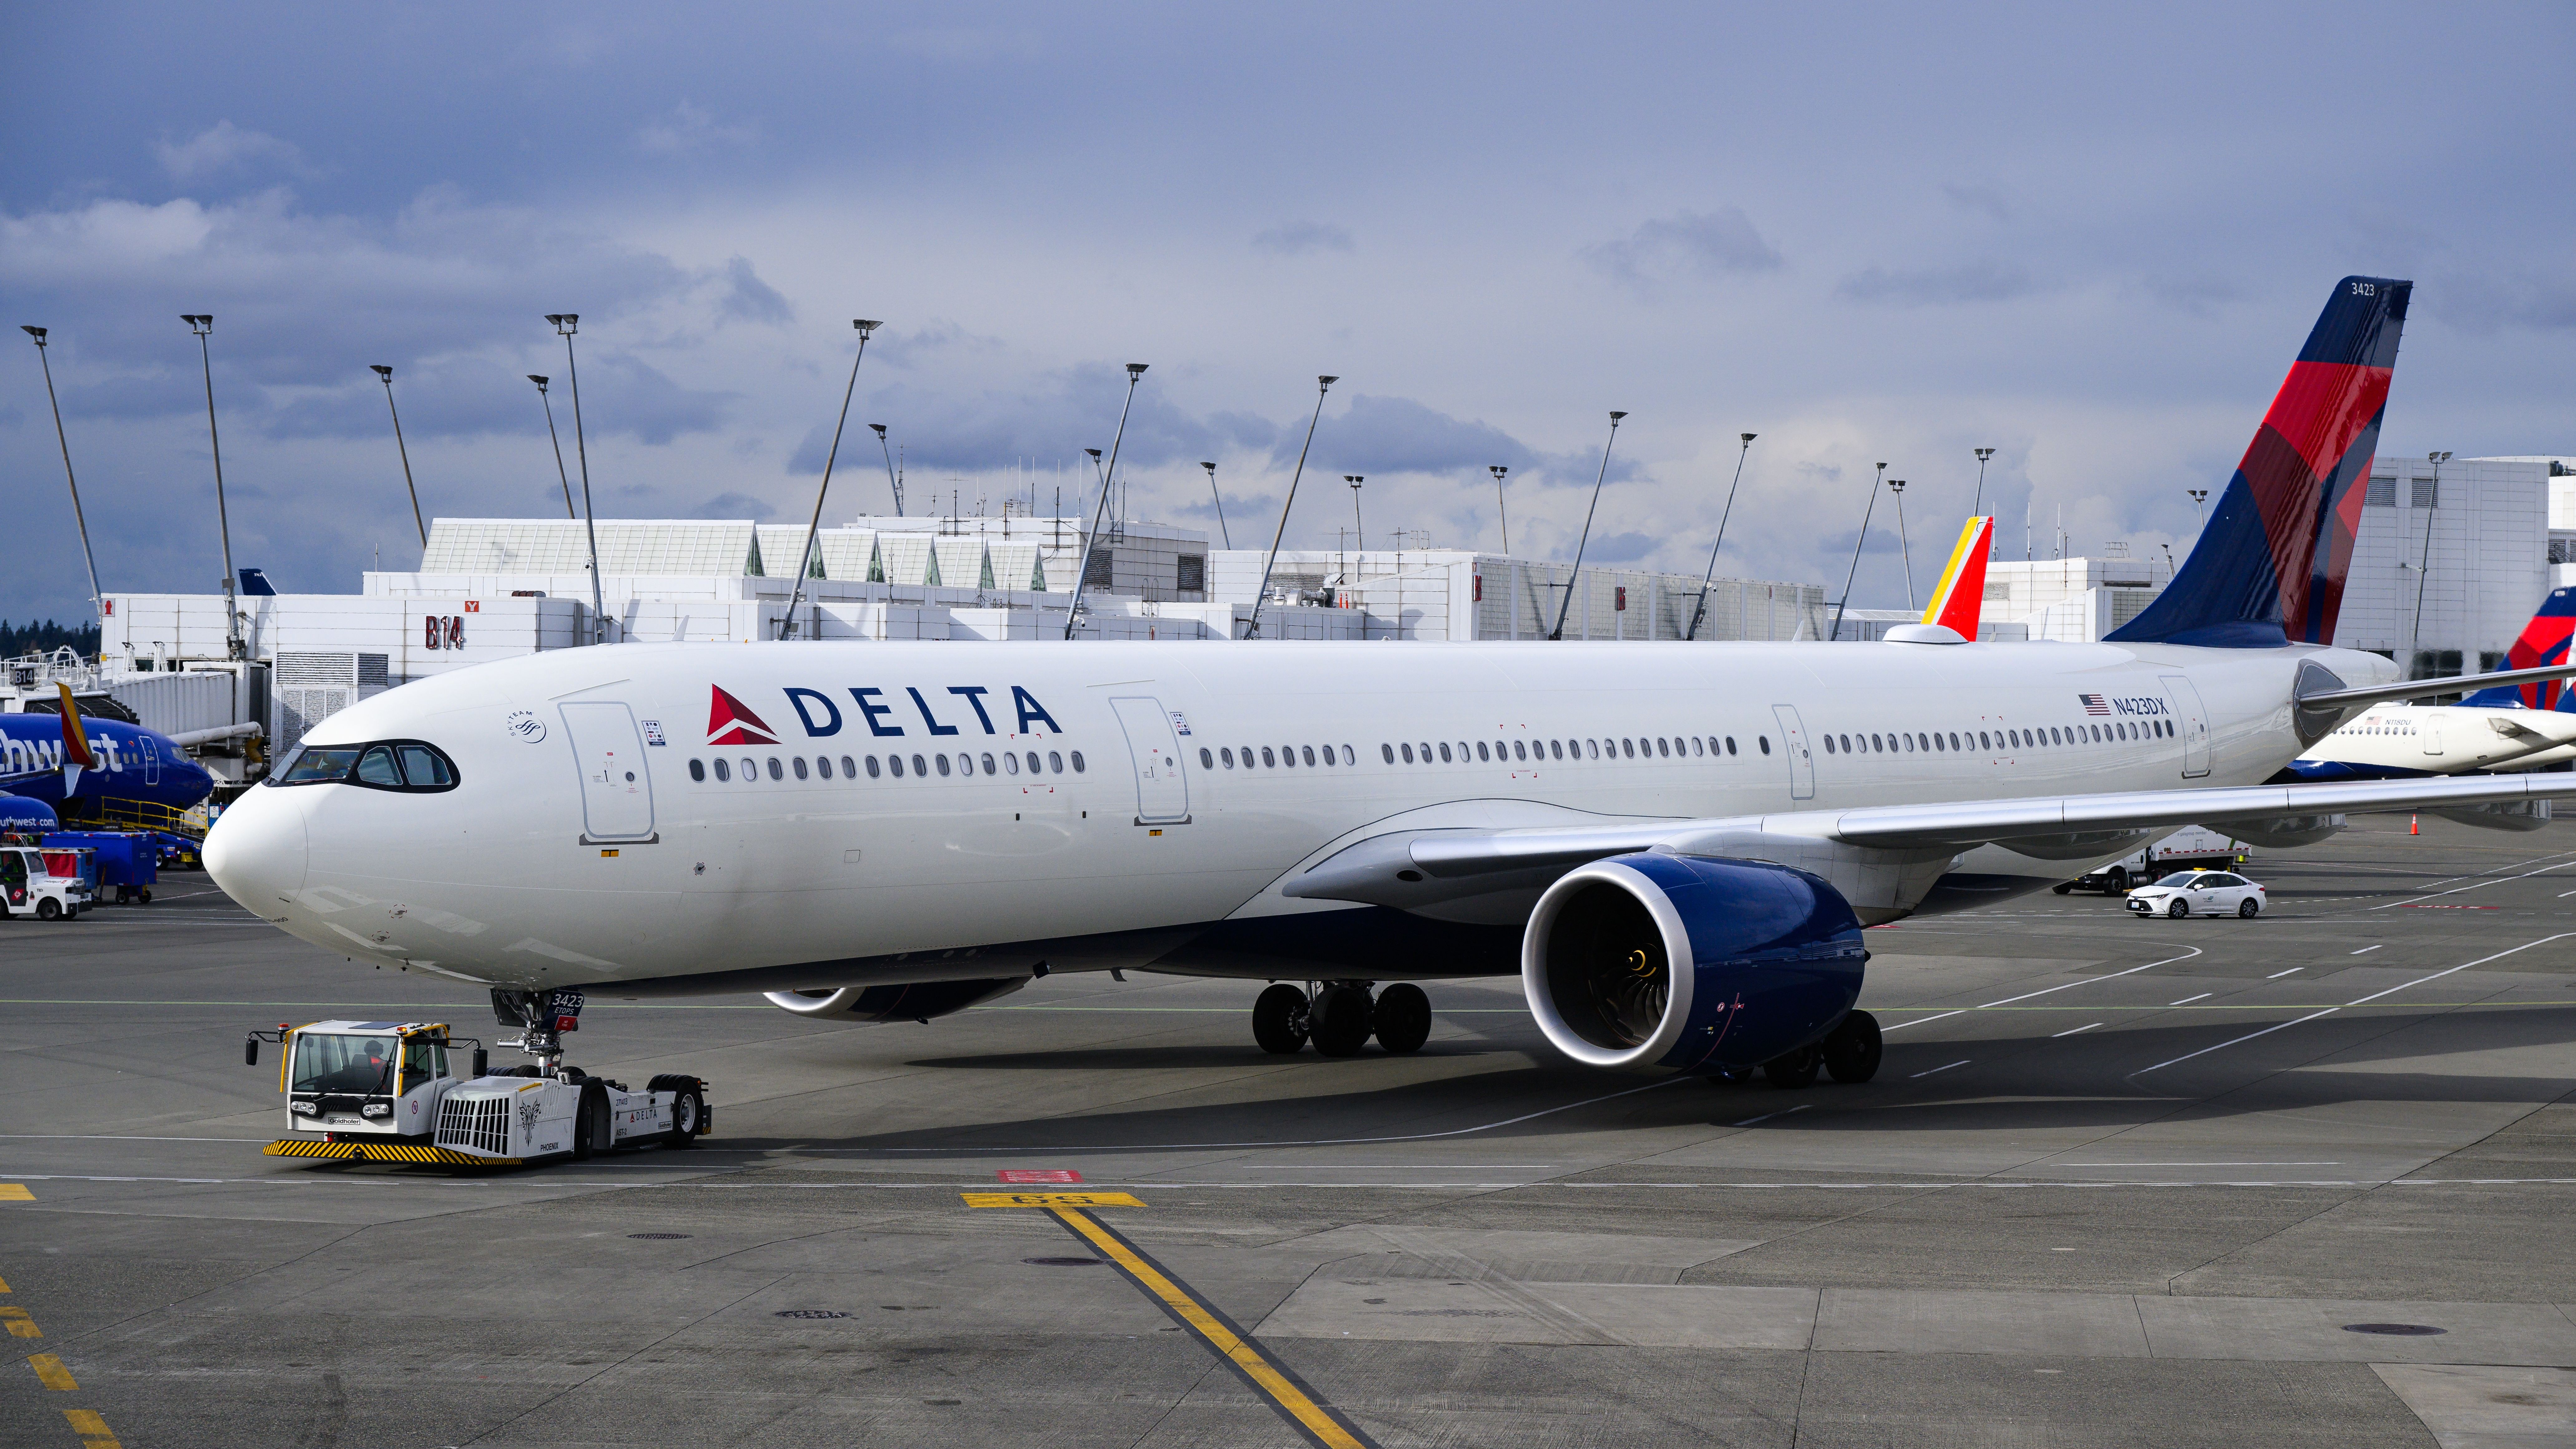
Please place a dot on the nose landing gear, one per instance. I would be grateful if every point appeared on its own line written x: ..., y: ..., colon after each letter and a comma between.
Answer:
x: 1340, y: 1018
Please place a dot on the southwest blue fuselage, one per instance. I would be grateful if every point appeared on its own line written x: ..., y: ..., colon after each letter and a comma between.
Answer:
x: 128, y: 763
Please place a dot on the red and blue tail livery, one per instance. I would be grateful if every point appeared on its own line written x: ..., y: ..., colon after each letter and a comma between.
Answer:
x: 2544, y: 641
x: 2269, y: 569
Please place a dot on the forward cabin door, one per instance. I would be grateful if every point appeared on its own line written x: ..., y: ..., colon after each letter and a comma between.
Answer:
x: 1802, y: 765
x: 2432, y: 733
x: 1162, y: 791
x: 2193, y: 721
x: 616, y: 790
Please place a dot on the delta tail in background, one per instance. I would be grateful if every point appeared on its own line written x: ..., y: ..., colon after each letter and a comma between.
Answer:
x: 2512, y: 727
x: 1674, y: 849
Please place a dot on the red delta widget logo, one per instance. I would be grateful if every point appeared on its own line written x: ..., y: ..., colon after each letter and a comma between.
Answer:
x: 962, y: 706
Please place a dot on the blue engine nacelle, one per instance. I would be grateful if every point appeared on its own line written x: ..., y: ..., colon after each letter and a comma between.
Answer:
x: 17, y: 812
x: 1686, y: 961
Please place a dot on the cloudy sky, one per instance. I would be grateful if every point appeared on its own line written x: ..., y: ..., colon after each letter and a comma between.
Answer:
x: 2091, y: 240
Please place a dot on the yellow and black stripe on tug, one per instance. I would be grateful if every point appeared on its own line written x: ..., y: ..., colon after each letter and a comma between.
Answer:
x: 382, y: 1152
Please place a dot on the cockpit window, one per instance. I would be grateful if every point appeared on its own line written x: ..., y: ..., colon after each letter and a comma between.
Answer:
x: 407, y: 765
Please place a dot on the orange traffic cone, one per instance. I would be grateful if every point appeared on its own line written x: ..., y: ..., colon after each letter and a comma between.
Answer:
x: 2411, y: 827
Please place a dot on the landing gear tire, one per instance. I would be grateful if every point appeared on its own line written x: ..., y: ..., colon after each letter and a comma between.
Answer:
x: 2248, y: 910
x: 1794, y: 1069
x: 1402, y: 1018
x: 2179, y: 909
x: 1341, y: 1021
x: 1281, y: 1019
x: 1853, y: 1049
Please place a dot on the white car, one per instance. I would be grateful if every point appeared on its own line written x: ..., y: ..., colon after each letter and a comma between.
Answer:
x: 2198, y: 893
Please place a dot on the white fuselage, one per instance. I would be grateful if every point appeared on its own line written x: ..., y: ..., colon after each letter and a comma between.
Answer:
x: 2446, y: 739
x: 517, y: 877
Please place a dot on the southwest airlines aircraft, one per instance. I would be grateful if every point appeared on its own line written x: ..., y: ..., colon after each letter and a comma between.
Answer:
x: 1675, y: 848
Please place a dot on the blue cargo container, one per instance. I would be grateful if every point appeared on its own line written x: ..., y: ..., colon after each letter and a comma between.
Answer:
x: 126, y: 865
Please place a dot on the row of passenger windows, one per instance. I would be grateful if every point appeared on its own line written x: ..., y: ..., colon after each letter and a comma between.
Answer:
x: 1656, y: 747
x: 2030, y: 739
x: 1285, y: 757
x: 1008, y: 763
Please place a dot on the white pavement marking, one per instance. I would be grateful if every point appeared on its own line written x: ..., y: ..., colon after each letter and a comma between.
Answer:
x: 2077, y: 1029
x: 2366, y: 950
x: 2188, y: 1000
x: 2357, y: 1001
x: 2293, y: 971
x: 2200, y: 1164
x: 1767, y: 1116
x: 1960, y: 1063
x: 2482, y: 884
x: 2188, y: 953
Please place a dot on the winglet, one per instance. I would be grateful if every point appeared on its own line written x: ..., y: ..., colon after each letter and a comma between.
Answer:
x: 75, y: 739
x: 1961, y: 595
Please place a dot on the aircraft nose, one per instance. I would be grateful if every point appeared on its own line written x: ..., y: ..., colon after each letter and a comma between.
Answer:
x: 258, y: 853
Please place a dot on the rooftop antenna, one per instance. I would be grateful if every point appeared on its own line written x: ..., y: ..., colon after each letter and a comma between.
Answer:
x: 1073, y: 614
x: 566, y: 324
x: 1226, y: 533
x: 386, y: 374
x: 1559, y: 631
x: 1979, y: 507
x: 805, y: 561
x: 892, y: 481
x: 201, y: 323
x: 98, y: 601
x: 1323, y: 385
x: 1855, y: 563
x: 540, y: 380
x: 1711, y: 577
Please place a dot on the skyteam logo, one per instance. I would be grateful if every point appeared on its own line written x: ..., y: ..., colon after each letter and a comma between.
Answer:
x: 731, y: 722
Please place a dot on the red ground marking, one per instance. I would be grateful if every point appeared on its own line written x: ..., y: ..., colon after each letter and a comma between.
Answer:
x: 1038, y: 1174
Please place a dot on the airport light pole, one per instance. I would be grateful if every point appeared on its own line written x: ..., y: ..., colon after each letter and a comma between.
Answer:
x: 1979, y: 506
x: 1323, y: 384
x: 1857, y: 543
x: 97, y: 600
x: 1502, y: 505
x: 2199, y: 514
x: 893, y: 483
x: 1222, y: 531
x: 1903, y: 548
x: 561, y: 476
x: 2424, y: 570
x: 805, y: 562
x: 201, y: 323
x: 1073, y: 612
x: 386, y: 375
x: 1701, y: 608
x: 1558, y: 633
x: 566, y: 324
x: 1359, y: 535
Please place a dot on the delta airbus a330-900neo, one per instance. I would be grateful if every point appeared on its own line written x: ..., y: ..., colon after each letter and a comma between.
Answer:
x: 1675, y: 848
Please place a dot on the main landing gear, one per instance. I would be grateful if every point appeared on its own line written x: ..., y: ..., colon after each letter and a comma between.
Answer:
x: 1849, y: 1053
x: 1341, y: 1017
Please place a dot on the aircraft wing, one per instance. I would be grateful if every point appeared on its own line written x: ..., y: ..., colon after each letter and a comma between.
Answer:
x: 1430, y: 867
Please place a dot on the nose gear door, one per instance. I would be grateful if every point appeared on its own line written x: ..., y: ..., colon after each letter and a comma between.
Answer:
x: 1162, y: 791
x: 616, y: 790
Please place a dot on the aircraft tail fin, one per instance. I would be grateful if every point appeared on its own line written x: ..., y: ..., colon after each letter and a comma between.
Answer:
x: 1960, y: 597
x: 2269, y: 568
x: 2544, y: 641
x: 75, y: 739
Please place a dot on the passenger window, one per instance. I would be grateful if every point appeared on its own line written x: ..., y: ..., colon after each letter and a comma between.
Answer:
x: 722, y: 772
x: 1519, y: 750
x: 777, y: 771
x: 1628, y: 748
x: 1207, y: 759
x: 1077, y: 762
x: 1268, y: 759
x: 1730, y: 744
x: 750, y: 769
x: 1556, y: 748
x: 1310, y: 757
x: 942, y: 762
x: 849, y: 767
x: 921, y: 767
x: 1225, y: 753
x: 1055, y: 763
x: 697, y: 769
x: 800, y: 767
x: 1350, y: 756
x: 988, y: 761
x: 1764, y: 741
x: 895, y: 763
x: 1010, y: 762
x: 872, y: 767
x: 1696, y: 747
x: 1984, y: 740
x: 1592, y: 749
x: 377, y: 767
x: 1033, y: 762
x: 1664, y: 748
x: 1829, y: 744
x: 1444, y: 752
x: 1480, y: 750
x: 823, y: 766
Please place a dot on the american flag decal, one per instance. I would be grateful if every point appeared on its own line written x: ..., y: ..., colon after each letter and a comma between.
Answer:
x: 2095, y: 704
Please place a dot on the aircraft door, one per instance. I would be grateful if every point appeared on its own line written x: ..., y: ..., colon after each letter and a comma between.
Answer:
x: 2431, y: 733
x: 1162, y: 791
x: 1802, y: 764
x: 616, y: 790
x: 2192, y: 721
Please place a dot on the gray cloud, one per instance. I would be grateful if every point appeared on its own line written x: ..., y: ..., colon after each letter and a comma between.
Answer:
x: 1705, y: 244
x: 749, y: 299
x: 1978, y: 281
x: 1294, y: 238
x: 691, y: 130
x: 732, y: 505
x: 223, y: 148
x: 1984, y: 199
